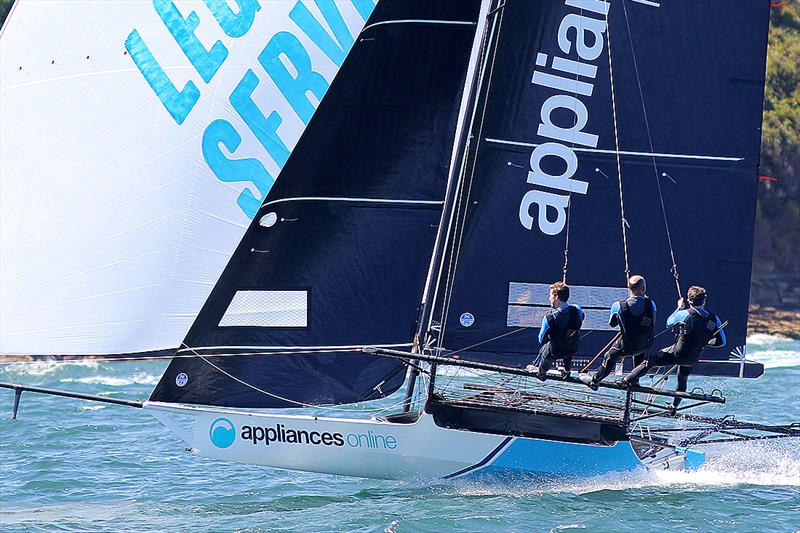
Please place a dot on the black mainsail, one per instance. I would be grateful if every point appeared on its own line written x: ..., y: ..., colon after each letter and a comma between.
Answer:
x: 593, y: 115
x: 337, y: 255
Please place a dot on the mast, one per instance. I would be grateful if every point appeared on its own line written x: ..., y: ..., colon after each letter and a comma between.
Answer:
x: 460, y: 144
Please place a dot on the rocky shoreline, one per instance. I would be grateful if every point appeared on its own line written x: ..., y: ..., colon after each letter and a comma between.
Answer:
x: 773, y: 321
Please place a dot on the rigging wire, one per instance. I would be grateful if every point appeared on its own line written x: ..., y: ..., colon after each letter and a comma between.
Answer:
x: 219, y: 369
x: 566, y: 240
x: 674, y: 268
x: 270, y: 394
x: 624, y: 222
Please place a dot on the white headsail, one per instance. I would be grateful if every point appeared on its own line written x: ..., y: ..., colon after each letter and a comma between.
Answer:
x: 137, y: 140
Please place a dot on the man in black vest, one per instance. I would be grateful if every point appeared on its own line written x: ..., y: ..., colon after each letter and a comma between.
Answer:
x: 560, y: 332
x: 697, y: 328
x: 635, y: 317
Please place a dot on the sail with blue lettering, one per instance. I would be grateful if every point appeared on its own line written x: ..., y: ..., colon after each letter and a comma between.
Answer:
x: 596, y: 116
x: 137, y: 141
x: 337, y: 256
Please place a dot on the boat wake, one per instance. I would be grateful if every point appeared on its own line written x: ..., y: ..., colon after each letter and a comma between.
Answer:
x: 759, y: 464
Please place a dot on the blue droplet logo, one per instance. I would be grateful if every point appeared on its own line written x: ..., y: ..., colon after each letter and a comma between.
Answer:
x: 222, y: 433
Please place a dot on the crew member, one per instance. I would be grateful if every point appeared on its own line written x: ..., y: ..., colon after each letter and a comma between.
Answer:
x: 697, y: 328
x: 635, y: 317
x: 560, y: 332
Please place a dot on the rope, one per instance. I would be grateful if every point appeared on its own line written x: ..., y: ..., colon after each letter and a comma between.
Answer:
x: 674, y: 268
x: 623, y: 221
x: 483, y: 342
x: 650, y: 398
x: 267, y: 393
x: 566, y: 242
x: 92, y: 359
x: 602, y: 350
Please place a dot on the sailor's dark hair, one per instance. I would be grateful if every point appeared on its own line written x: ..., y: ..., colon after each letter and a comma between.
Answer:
x: 561, y: 289
x: 696, y: 295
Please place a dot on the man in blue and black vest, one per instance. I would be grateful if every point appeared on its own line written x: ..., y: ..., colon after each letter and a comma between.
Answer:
x: 635, y: 317
x: 560, y: 332
x: 697, y: 328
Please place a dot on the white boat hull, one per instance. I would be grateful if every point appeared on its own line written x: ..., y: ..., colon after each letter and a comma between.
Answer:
x: 385, y: 450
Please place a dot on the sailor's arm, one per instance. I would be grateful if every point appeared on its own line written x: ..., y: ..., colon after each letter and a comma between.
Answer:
x: 677, y: 316
x: 719, y: 339
x: 613, y: 318
x: 543, y: 331
x: 580, y: 312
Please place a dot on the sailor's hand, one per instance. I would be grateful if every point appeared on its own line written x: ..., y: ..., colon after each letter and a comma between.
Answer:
x: 681, y: 303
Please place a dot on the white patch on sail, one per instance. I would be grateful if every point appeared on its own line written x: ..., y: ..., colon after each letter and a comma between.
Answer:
x: 528, y: 303
x: 267, y: 309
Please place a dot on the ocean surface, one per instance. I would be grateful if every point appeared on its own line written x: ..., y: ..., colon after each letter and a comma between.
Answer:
x: 71, y: 465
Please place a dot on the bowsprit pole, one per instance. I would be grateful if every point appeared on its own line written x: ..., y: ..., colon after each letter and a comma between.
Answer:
x: 19, y: 389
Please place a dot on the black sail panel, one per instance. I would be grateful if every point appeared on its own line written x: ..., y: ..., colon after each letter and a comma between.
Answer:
x: 336, y: 257
x: 687, y: 90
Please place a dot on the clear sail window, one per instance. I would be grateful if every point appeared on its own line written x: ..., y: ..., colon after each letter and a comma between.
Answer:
x: 267, y: 309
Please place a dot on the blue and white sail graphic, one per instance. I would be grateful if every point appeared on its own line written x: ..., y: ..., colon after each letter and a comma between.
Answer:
x: 138, y: 139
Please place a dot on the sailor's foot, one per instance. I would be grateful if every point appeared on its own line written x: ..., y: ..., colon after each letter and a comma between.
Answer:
x: 671, y: 409
x: 564, y: 373
x: 625, y: 382
x: 589, y: 381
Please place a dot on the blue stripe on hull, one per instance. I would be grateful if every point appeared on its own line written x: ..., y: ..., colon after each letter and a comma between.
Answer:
x: 551, y: 458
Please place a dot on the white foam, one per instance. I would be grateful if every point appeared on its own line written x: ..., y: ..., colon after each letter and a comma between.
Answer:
x: 774, y: 463
x: 116, y: 381
x: 42, y: 368
x: 91, y: 407
x: 766, y: 339
x: 777, y: 358
x: 767, y: 464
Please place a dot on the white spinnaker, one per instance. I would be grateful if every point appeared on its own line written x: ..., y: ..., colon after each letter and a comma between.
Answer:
x: 113, y: 226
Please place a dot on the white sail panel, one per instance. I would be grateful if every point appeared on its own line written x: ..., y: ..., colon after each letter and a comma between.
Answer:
x: 127, y: 179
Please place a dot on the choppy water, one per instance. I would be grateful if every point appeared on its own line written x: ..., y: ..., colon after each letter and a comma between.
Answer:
x: 73, y: 465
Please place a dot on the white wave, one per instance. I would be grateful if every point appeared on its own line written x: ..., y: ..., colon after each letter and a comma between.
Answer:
x: 42, y: 368
x: 91, y: 407
x: 567, y: 527
x: 115, y: 381
x: 777, y: 358
x: 764, y: 339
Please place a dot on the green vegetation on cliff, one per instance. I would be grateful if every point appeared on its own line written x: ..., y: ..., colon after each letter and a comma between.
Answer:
x: 778, y: 219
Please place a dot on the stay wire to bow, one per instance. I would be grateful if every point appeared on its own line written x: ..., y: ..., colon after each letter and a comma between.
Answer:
x: 674, y: 268
x: 273, y: 395
x: 624, y: 222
